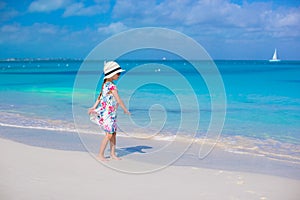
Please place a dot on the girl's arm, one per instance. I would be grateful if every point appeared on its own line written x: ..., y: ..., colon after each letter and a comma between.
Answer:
x: 120, y: 102
x: 94, y: 106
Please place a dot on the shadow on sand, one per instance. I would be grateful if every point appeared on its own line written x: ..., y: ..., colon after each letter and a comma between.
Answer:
x: 124, y: 151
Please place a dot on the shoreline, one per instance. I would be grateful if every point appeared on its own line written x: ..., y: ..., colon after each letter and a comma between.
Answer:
x: 271, y: 148
x: 39, y: 173
x: 219, y: 158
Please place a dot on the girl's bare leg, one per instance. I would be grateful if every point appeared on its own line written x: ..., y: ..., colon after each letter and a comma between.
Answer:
x: 113, y: 141
x: 103, y: 146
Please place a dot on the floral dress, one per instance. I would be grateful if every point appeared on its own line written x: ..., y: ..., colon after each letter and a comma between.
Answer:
x: 107, y: 109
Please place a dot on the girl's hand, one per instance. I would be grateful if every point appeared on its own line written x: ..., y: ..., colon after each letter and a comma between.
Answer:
x: 127, y: 112
x: 91, y: 110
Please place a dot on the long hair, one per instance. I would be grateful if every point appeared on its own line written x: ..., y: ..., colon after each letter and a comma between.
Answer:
x: 101, y: 89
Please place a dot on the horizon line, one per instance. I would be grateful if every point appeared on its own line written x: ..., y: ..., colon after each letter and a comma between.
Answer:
x: 127, y: 59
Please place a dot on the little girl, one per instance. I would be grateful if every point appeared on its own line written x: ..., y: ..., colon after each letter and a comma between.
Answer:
x: 109, y: 101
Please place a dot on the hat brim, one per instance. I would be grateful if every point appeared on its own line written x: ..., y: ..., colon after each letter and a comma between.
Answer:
x: 112, y: 74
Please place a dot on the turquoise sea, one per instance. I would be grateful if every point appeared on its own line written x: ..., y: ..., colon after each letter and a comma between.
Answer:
x: 262, y: 100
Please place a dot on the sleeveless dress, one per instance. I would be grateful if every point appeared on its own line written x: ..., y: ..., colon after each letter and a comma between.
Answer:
x: 107, y: 109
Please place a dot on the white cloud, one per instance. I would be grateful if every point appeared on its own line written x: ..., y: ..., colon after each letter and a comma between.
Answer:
x: 289, y: 19
x: 47, y: 29
x: 44, y: 34
x: 47, y: 5
x: 7, y: 13
x: 113, y: 28
x: 78, y: 9
x: 139, y: 12
x: 226, y: 18
x: 37, y: 32
x: 10, y: 28
x: 46, y: 40
x: 211, y: 22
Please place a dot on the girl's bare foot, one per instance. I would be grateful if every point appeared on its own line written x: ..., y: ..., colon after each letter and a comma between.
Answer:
x: 115, y: 157
x: 102, y: 158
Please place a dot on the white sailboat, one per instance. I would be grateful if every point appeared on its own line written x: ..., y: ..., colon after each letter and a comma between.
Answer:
x: 274, y: 58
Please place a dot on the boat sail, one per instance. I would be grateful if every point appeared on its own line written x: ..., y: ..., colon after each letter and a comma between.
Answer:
x: 274, y: 58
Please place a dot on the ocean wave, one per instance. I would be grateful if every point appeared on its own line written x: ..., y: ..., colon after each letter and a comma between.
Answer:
x: 271, y: 149
x: 38, y: 127
x: 19, y: 120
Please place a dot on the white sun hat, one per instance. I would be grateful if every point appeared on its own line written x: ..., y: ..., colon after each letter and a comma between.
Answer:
x: 111, y: 68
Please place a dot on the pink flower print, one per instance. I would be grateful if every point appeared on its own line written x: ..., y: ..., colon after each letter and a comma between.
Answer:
x: 107, y: 128
x: 110, y: 109
x: 101, y: 120
x: 112, y: 87
x: 103, y: 104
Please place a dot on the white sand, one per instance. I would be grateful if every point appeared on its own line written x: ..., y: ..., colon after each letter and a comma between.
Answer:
x: 37, y: 173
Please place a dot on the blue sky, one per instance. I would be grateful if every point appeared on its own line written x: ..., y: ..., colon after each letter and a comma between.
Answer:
x: 227, y: 29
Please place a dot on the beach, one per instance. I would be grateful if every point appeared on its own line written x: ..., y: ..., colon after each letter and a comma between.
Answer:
x: 29, y: 172
x: 169, y: 149
x: 130, y: 100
